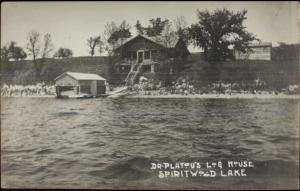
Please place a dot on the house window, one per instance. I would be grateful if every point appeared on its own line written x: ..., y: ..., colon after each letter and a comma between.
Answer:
x: 154, y: 54
x: 147, y: 54
x: 128, y: 55
x: 133, y: 54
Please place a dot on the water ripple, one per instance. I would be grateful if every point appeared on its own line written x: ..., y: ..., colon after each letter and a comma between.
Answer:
x: 110, y: 143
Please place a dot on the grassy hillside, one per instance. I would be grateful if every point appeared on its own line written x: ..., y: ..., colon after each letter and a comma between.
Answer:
x: 283, y: 69
x: 22, y: 72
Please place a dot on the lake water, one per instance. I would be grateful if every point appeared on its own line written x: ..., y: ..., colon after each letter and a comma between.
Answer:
x: 111, y: 143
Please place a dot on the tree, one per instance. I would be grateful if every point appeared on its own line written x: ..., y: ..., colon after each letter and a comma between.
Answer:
x: 154, y: 29
x: 33, y: 45
x: 217, y: 31
x: 39, y: 52
x: 120, y: 34
x: 19, y: 53
x: 4, y: 54
x: 181, y: 28
x: 110, y: 28
x: 124, y: 26
x: 100, y: 47
x: 139, y: 27
x: 12, y: 51
x: 116, y: 36
x: 180, y: 23
x: 63, y: 53
x: 93, y: 42
x: 168, y: 35
x: 48, y: 46
x: 181, y: 49
x: 162, y: 31
x: 181, y: 54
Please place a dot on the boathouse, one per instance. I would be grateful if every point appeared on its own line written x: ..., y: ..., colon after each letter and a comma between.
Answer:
x: 80, y: 83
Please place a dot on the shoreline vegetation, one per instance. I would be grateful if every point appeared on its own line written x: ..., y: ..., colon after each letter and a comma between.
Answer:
x: 36, y: 90
x: 180, y: 89
x: 185, y: 89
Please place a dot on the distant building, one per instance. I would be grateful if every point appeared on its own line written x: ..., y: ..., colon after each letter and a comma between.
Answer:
x: 258, y: 51
x: 80, y: 83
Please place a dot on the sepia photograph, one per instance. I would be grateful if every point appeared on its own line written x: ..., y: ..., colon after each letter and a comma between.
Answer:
x: 152, y: 95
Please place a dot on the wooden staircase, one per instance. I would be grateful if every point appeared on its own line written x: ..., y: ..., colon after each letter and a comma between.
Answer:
x: 132, y: 74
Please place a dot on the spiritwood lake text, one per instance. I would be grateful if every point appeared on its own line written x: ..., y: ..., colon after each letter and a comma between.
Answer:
x: 198, y: 169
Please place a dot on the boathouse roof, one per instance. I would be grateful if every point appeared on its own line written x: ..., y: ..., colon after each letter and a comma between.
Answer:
x: 81, y: 76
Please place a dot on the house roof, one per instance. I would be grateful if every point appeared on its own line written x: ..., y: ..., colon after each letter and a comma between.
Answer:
x: 158, y: 40
x: 262, y: 44
x: 82, y: 76
x: 152, y: 39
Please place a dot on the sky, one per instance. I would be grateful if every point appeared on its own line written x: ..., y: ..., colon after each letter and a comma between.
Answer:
x: 72, y: 23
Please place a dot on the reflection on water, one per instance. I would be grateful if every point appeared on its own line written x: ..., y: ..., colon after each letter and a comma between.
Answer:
x: 110, y: 143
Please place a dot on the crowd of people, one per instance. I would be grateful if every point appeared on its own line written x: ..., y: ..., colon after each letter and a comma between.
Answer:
x: 39, y: 89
